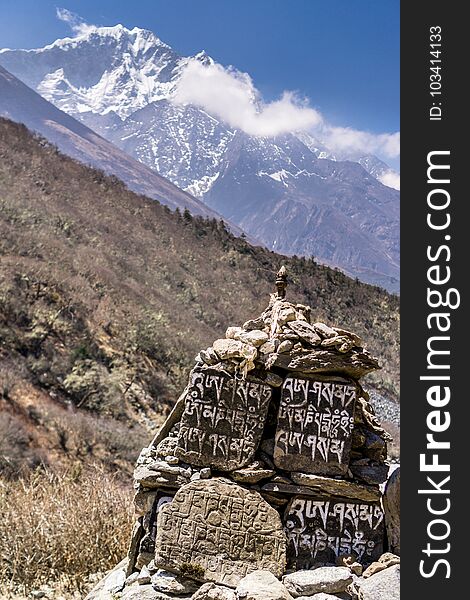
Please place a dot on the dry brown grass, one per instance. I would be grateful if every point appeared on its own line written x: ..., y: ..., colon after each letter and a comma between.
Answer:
x: 61, y: 527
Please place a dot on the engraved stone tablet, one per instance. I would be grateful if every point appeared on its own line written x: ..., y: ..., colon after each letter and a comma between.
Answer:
x: 223, y: 420
x: 215, y: 530
x: 314, y: 427
x: 320, y: 530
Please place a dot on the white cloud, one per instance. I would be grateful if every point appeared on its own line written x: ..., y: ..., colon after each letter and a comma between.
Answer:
x: 391, y: 179
x: 231, y: 96
x: 75, y: 22
x: 346, y: 140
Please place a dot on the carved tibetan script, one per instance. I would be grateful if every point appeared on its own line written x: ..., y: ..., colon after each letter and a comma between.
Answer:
x: 315, y: 423
x: 221, y: 532
x: 318, y: 531
x: 223, y: 420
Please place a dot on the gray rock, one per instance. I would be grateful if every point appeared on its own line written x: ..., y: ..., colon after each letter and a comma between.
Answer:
x: 262, y: 585
x: 166, y: 447
x: 226, y: 349
x: 143, y: 592
x: 285, y: 346
x: 273, y: 379
x: 306, y: 332
x: 268, y: 347
x: 210, y: 591
x: 324, y: 331
x: 354, y: 364
x: 369, y: 471
x: 143, y: 501
x: 381, y: 586
x: 132, y: 578
x: 144, y: 576
x: 164, y: 581
x: 391, y: 504
x: 337, y: 487
x: 255, y: 337
x: 161, y: 474
x: 253, y: 324
x: 205, y: 473
x: 115, y: 581
x: 232, y: 333
x: 320, y: 596
x: 385, y: 561
x: 324, y: 579
x: 251, y: 474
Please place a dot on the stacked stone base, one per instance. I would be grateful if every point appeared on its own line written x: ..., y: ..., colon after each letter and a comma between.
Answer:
x: 264, y: 482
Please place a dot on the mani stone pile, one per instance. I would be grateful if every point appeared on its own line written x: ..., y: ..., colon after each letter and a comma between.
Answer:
x: 264, y: 481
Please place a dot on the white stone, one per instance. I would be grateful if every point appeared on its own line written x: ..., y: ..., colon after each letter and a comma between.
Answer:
x: 164, y: 581
x: 384, y: 585
x: 255, y: 338
x: 285, y: 346
x: 324, y: 579
x: 115, y: 581
x: 232, y: 333
x: 262, y: 585
x: 141, y: 592
x: 144, y: 576
x: 268, y: 347
x: 211, y: 591
x: 226, y: 349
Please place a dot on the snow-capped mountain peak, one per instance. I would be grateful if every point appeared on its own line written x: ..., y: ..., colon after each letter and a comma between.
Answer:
x: 105, y: 69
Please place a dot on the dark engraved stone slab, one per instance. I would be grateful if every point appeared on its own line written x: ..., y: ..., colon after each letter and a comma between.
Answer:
x: 320, y: 530
x: 223, y: 420
x: 218, y: 531
x: 314, y: 427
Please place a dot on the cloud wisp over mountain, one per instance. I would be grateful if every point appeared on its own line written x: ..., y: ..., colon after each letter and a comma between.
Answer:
x: 78, y: 25
x: 231, y: 96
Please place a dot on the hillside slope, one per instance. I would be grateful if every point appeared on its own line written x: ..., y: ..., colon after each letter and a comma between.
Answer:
x: 106, y: 297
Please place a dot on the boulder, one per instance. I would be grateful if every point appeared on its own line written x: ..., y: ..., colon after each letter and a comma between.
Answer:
x: 143, y: 592
x: 306, y: 332
x: 285, y: 346
x: 164, y: 581
x: 381, y: 586
x: 226, y: 348
x: 210, y: 591
x: 324, y: 331
x: 391, y: 502
x: 161, y: 474
x: 115, y: 581
x: 324, y: 579
x: 262, y: 585
x: 385, y: 561
x: 354, y: 364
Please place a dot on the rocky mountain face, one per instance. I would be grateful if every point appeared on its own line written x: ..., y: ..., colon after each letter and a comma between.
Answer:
x: 21, y: 104
x: 287, y: 192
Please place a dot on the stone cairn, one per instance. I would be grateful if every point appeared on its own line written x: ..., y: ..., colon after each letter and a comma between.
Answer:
x: 268, y: 468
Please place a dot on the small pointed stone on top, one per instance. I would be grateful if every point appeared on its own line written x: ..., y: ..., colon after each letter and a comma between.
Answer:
x: 281, y: 282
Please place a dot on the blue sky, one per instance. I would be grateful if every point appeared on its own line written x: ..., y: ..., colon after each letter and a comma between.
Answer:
x: 341, y: 54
